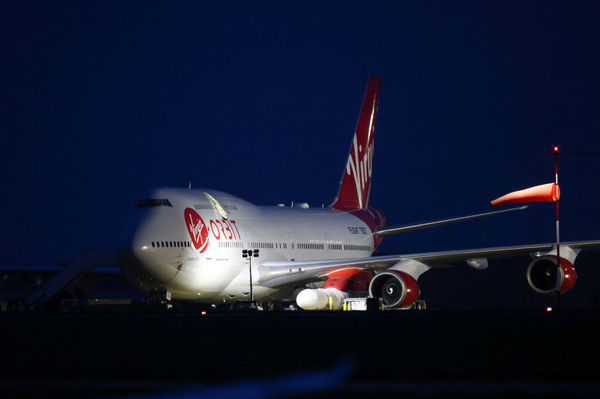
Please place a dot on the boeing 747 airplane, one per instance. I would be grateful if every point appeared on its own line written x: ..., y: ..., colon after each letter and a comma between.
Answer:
x: 209, y: 246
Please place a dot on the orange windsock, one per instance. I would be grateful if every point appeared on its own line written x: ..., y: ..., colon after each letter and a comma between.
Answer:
x: 544, y: 193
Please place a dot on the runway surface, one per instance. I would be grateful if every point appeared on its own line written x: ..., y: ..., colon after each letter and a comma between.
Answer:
x: 391, y: 350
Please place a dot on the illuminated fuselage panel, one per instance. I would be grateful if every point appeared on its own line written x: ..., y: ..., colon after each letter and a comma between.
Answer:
x: 190, y: 242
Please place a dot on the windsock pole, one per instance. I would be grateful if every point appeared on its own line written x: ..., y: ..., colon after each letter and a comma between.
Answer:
x: 556, y: 154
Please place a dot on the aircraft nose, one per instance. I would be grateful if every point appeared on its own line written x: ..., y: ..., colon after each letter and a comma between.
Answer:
x: 132, y: 237
x: 135, y: 248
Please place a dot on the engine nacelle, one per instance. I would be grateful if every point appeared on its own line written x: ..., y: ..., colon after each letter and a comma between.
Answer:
x: 542, y: 274
x: 396, y: 289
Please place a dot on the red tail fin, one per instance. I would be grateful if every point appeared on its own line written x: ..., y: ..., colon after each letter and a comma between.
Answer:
x: 356, y: 183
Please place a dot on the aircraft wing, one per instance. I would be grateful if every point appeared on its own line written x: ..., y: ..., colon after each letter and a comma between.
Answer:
x: 388, y: 231
x: 277, y: 274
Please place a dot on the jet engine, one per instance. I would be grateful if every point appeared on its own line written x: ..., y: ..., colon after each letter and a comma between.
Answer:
x: 542, y: 274
x: 397, y: 289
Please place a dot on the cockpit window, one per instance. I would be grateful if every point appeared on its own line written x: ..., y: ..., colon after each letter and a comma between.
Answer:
x: 149, y: 203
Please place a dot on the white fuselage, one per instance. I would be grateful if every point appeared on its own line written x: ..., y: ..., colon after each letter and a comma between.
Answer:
x: 190, y: 242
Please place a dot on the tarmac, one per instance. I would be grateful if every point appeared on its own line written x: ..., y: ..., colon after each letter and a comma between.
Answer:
x: 461, y: 353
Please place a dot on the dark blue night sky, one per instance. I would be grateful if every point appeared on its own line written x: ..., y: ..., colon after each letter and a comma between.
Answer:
x: 102, y: 101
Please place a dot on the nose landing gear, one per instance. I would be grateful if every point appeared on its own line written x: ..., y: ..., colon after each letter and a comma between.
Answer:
x: 161, y: 298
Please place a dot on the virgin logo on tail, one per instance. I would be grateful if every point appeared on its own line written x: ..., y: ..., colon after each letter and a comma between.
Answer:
x: 356, y: 181
x: 197, y: 229
x: 360, y: 168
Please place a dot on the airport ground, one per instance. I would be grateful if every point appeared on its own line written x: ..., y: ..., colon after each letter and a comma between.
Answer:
x: 491, y: 338
x: 428, y: 353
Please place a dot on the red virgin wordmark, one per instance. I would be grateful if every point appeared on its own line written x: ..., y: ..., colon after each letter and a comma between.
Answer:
x: 197, y: 229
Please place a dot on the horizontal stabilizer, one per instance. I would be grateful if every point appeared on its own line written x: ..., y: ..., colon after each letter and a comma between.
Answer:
x: 404, y: 229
